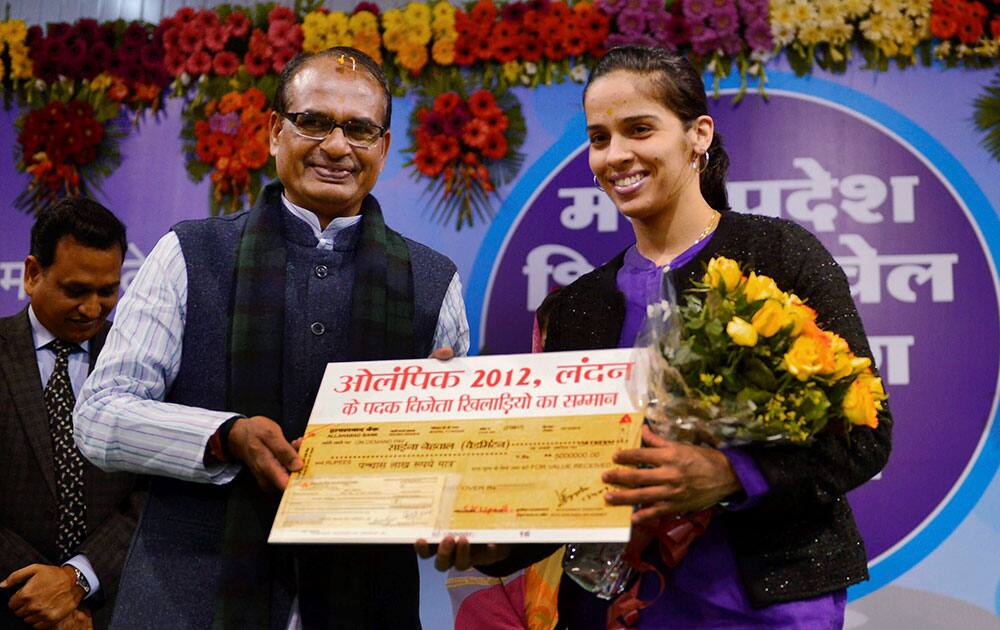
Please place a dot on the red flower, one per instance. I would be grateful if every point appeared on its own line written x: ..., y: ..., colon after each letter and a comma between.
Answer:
x: 237, y: 24
x: 118, y: 91
x: 285, y: 35
x: 175, y: 63
x: 371, y: 7
x: 465, y: 52
x: 281, y: 57
x: 496, y: 120
x: 204, y: 150
x: 184, y: 15
x: 555, y: 50
x: 482, y: 103
x: 995, y: 27
x: 531, y: 49
x: 475, y: 133
x: 172, y: 39
x: 221, y: 145
x: 977, y: 10
x: 445, y: 147
x: 943, y: 26
x: 225, y: 63
x: 969, y: 30
x: 215, y: 38
x: 206, y: 20
x: 280, y: 14
x: 428, y: 163
x: 259, y: 43
x: 199, y: 63
x: 446, y: 102
x: 257, y: 64
x: 135, y: 35
x: 483, y: 12
x: 495, y: 145
x: 191, y: 41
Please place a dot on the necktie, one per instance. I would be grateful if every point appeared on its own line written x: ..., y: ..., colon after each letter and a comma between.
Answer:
x: 59, y: 401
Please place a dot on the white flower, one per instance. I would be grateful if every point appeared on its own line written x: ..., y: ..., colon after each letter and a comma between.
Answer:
x: 530, y: 67
x: 578, y: 73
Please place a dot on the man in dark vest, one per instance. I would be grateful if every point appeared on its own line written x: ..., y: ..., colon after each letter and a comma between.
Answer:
x: 217, y: 354
x: 65, y: 526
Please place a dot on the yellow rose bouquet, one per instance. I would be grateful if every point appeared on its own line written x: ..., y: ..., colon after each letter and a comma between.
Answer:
x: 742, y: 361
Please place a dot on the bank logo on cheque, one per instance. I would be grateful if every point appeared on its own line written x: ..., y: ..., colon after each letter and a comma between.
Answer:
x: 901, y: 217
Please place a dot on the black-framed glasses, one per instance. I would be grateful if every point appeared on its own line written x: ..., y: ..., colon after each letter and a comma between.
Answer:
x: 359, y: 133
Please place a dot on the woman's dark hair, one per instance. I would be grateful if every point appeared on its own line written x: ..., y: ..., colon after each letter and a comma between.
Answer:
x: 87, y: 221
x: 679, y: 86
x: 280, y: 103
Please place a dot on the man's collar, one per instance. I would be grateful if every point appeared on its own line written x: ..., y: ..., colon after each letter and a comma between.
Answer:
x: 41, y: 335
x: 310, y: 218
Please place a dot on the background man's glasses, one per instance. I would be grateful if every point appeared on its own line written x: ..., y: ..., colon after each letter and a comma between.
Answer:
x: 359, y: 133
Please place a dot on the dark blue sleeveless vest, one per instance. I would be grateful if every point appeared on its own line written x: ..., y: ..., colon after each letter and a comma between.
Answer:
x: 174, y: 564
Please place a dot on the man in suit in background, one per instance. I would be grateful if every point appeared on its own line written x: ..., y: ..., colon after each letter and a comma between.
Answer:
x: 65, y: 525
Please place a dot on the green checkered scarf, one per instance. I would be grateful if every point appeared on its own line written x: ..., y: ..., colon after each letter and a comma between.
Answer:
x: 382, y: 328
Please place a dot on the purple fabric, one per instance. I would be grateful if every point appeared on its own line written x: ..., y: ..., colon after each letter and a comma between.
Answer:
x: 705, y: 590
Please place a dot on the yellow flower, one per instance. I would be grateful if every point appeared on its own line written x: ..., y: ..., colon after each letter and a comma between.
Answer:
x: 724, y: 273
x: 511, y: 71
x: 806, y: 357
x: 761, y: 288
x: 392, y: 19
x: 393, y: 39
x: 770, y: 318
x: 420, y: 33
x: 863, y: 400
x: 443, y: 52
x: 798, y: 313
x: 412, y: 56
x: 444, y: 11
x: 741, y: 332
x: 337, y: 23
x: 101, y: 82
x: 363, y: 22
x: 417, y: 13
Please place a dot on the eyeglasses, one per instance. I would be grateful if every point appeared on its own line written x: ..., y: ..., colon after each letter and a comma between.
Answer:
x: 359, y: 133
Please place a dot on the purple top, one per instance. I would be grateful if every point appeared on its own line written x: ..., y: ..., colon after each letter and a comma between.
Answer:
x: 705, y: 590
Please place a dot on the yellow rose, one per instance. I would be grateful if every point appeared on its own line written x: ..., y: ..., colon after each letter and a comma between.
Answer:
x: 798, y: 313
x: 724, y: 273
x: 761, y: 288
x: 770, y: 318
x: 741, y: 332
x: 805, y: 357
x: 860, y: 405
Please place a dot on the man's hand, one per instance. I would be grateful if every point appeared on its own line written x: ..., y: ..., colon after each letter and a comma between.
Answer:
x: 682, y: 478
x: 259, y: 443
x: 460, y: 554
x: 79, y: 619
x: 442, y: 354
x: 49, y: 594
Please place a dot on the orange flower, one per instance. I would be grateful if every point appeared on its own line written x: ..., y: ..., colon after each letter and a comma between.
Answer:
x: 475, y: 133
x: 254, y: 154
x: 230, y: 102
x: 482, y: 103
x: 428, y: 163
x: 412, y: 56
x: 370, y: 43
x: 253, y: 99
x: 495, y: 145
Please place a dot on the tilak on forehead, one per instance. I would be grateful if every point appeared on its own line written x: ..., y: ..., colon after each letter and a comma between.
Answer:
x: 343, y: 59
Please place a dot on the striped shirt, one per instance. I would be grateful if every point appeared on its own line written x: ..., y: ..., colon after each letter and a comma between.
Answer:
x: 121, y: 421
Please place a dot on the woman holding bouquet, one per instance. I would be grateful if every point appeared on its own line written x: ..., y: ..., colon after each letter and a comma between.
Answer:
x: 781, y: 545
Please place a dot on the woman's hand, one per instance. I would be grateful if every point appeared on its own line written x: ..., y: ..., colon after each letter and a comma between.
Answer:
x: 682, y: 478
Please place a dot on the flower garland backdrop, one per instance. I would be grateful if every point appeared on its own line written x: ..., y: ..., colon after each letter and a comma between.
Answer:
x: 100, y: 80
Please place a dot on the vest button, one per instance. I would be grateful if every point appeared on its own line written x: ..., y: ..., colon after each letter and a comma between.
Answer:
x: 321, y: 271
x: 317, y: 328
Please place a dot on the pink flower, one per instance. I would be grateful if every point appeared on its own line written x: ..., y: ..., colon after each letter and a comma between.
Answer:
x: 676, y: 32
x: 281, y: 57
x: 175, y: 63
x: 281, y: 14
x: 172, y: 39
x: 632, y: 21
x: 725, y: 23
x: 257, y: 63
x: 758, y: 34
x: 695, y: 9
x: 206, y: 19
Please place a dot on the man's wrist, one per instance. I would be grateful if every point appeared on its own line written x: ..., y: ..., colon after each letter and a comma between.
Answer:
x: 81, y: 585
x: 217, y: 450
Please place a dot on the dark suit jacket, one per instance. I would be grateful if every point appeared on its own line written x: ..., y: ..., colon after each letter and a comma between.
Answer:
x: 28, y: 503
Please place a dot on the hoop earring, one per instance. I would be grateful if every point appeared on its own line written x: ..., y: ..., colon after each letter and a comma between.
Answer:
x: 695, y: 163
x: 597, y: 184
